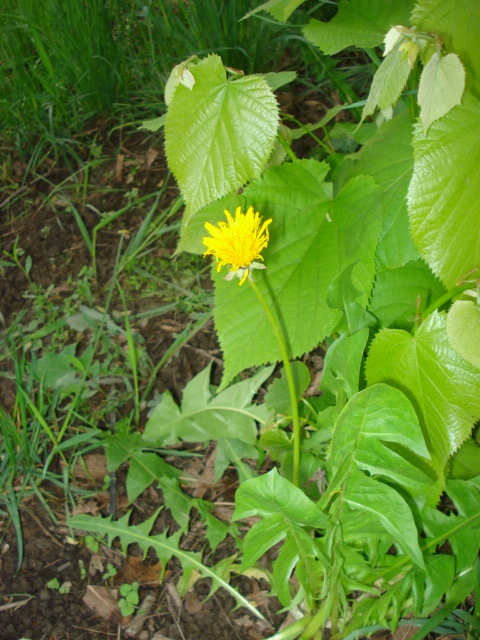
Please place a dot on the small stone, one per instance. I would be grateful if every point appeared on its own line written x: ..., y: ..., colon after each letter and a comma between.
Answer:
x: 44, y: 595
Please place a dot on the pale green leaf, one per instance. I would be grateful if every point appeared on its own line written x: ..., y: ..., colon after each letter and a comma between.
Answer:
x: 458, y: 24
x: 279, y: 9
x: 441, y: 87
x: 388, y: 158
x: 155, y: 124
x: 463, y: 330
x: 220, y: 134
x: 393, y: 37
x: 277, y: 79
x: 388, y: 82
x: 441, y: 385
x: 387, y: 507
x: 444, y: 194
x: 312, y: 239
x: 399, y: 294
x: 203, y: 416
x: 359, y: 23
x: 367, y: 430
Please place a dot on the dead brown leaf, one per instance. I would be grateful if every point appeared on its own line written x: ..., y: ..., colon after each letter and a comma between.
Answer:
x: 103, y: 602
x: 92, y: 467
x: 150, y: 157
x: 405, y: 632
x: 136, y: 570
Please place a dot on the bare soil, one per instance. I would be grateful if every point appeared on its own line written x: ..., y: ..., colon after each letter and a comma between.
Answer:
x: 83, y: 606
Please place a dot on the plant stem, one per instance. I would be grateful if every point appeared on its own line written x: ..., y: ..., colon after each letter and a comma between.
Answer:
x: 446, y: 297
x: 290, y: 382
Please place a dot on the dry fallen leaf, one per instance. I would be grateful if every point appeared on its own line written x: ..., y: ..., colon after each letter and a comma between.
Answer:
x: 136, y: 570
x: 94, y: 467
x: 151, y: 157
x: 103, y: 602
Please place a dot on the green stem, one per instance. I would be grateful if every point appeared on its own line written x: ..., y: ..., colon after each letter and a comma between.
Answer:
x: 287, y: 147
x: 290, y: 382
x: 439, y: 302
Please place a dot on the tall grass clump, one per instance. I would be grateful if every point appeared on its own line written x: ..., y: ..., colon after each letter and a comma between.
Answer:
x: 60, y: 66
x: 64, y: 64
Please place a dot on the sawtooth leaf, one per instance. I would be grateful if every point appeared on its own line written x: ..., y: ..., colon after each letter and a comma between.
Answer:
x: 165, y: 547
x: 372, y: 423
x: 279, y: 9
x: 458, y: 24
x: 441, y: 87
x: 442, y: 386
x: 388, y: 82
x: 313, y: 237
x: 204, y: 416
x: 359, y: 23
x: 219, y: 134
x: 444, y: 194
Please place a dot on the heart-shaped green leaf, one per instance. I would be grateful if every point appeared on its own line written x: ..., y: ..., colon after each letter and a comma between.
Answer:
x: 220, y: 133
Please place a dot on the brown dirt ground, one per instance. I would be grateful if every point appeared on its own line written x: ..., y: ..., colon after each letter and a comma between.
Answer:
x: 28, y: 608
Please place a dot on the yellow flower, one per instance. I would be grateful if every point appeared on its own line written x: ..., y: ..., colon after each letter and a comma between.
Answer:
x: 237, y: 243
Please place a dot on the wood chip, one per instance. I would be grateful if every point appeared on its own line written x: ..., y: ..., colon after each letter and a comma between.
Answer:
x: 135, y: 627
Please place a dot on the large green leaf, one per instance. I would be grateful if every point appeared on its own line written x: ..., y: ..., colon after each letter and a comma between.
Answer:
x: 399, y: 294
x: 458, y: 24
x: 284, y: 510
x: 219, y: 134
x: 203, y: 416
x: 441, y: 385
x: 388, y: 158
x: 373, y: 421
x: 359, y: 23
x: 313, y: 238
x: 271, y: 494
x: 444, y: 194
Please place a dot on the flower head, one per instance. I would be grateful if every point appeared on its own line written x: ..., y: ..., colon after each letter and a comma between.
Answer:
x: 237, y: 243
